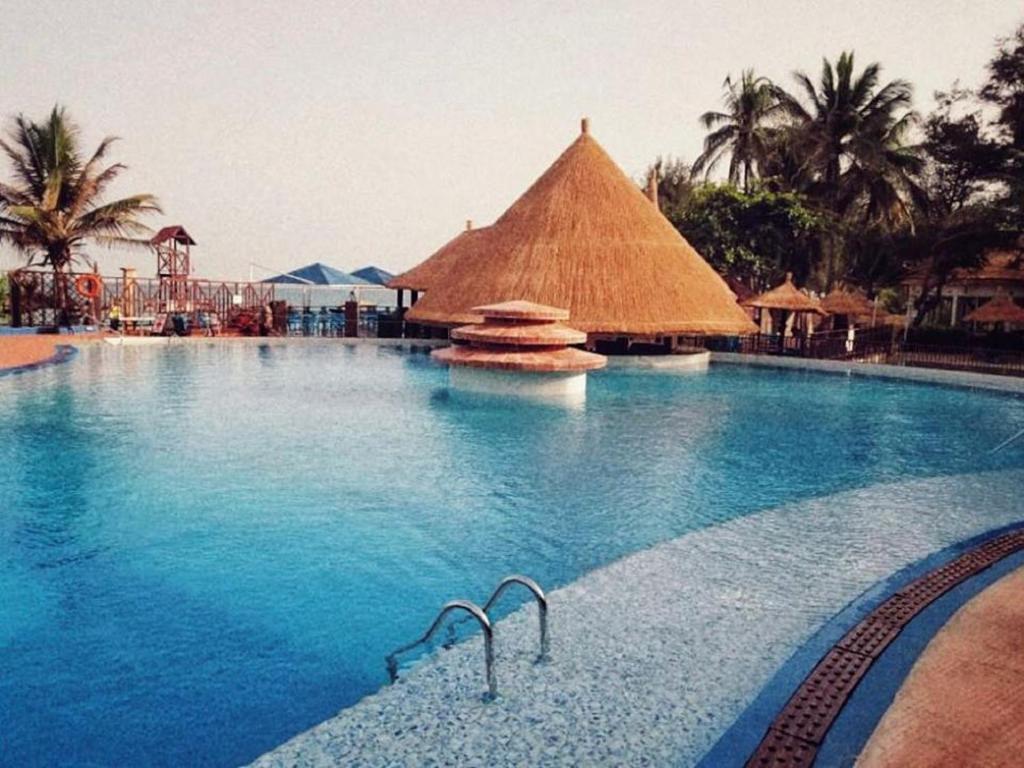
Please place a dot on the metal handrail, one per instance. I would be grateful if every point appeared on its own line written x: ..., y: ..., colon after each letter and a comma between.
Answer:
x: 542, y: 606
x: 477, y: 613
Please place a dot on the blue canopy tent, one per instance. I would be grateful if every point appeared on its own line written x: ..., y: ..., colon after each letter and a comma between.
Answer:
x: 374, y: 275
x: 320, y: 285
x: 317, y: 274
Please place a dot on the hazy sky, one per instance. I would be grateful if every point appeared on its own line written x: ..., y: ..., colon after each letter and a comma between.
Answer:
x: 357, y: 133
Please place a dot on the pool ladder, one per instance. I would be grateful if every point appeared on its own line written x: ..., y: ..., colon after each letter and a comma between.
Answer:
x: 483, y: 619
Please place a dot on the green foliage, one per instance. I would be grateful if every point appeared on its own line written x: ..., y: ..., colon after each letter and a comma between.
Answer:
x: 742, y: 131
x: 53, y: 203
x: 754, y: 237
x: 856, y: 199
x: 852, y: 133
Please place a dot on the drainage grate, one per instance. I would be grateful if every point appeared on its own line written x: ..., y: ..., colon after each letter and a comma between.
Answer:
x: 801, y: 726
x: 815, y: 705
x: 871, y: 636
x: 780, y: 750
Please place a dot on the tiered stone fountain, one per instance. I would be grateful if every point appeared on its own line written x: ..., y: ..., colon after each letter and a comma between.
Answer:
x: 521, y: 349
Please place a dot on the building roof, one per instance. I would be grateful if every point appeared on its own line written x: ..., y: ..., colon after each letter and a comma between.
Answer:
x: 1000, y: 309
x: 854, y: 303
x: 583, y: 237
x: 174, y: 232
x: 786, y: 296
x: 1005, y: 266
x: 317, y: 274
x: 374, y: 275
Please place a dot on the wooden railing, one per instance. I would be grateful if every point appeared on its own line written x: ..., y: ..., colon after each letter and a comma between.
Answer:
x: 34, y: 300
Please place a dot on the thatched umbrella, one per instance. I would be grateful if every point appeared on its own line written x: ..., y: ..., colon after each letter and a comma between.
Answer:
x: 583, y: 237
x: 1000, y: 309
x: 786, y: 298
x: 849, y: 305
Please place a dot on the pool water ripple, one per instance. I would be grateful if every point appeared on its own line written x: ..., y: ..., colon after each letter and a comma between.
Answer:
x: 207, y: 549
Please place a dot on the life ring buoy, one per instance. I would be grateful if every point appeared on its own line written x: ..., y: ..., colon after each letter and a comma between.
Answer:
x: 88, y: 286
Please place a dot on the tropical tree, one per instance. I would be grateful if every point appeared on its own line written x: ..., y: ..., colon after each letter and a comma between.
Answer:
x: 751, y: 237
x: 847, y: 119
x: 852, y: 137
x: 675, y: 183
x: 742, y: 131
x: 53, y: 204
x: 1004, y: 90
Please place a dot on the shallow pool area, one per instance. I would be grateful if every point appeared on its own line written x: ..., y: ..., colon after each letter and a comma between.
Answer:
x: 210, y: 548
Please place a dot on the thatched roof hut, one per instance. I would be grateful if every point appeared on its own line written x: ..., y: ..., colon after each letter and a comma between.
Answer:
x: 586, y: 238
x: 786, y: 297
x: 435, y: 269
x: 849, y: 303
x: 1000, y: 309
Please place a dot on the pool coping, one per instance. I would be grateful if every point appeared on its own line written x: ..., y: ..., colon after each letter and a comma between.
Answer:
x: 62, y: 353
x: 869, y: 690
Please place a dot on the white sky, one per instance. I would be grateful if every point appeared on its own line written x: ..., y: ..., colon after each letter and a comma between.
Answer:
x: 358, y: 133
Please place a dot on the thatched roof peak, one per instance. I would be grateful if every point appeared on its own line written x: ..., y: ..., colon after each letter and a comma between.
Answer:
x: 584, y: 237
x: 842, y: 302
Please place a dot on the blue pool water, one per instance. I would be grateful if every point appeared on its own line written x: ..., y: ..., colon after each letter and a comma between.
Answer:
x: 206, y: 549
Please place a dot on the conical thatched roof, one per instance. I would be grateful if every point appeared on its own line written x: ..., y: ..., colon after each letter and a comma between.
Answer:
x: 840, y: 302
x: 583, y: 237
x: 786, y: 296
x: 1000, y: 309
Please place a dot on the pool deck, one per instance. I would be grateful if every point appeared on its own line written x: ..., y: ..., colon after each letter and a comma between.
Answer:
x: 20, y: 351
x: 651, y: 655
x: 962, y: 703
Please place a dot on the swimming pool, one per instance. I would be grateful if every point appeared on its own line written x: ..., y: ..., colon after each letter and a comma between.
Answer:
x: 209, y: 548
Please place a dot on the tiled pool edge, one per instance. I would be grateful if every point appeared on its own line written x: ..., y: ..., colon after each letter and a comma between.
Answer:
x: 868, y: 701
x: 1011, y: 384
x: 62, y: 354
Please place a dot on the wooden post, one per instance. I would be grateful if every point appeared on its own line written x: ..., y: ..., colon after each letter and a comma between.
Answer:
x: 351, y: 318
x: 15, y: 302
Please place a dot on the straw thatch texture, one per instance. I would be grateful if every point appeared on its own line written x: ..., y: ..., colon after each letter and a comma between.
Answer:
x: 787, y: 297
x: 434, y: 270
x: 583, y: 237
x: 840, y: 302
x: 1000, y: 309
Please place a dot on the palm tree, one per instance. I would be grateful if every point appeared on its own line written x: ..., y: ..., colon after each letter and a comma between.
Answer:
x: 742, y: 130
x: 848, y: 120
x: 852, y: 138
x: 54, y: 203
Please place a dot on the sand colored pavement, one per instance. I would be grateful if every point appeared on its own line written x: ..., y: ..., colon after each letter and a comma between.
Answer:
x: 25, y: 350
x: 963, y: 702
